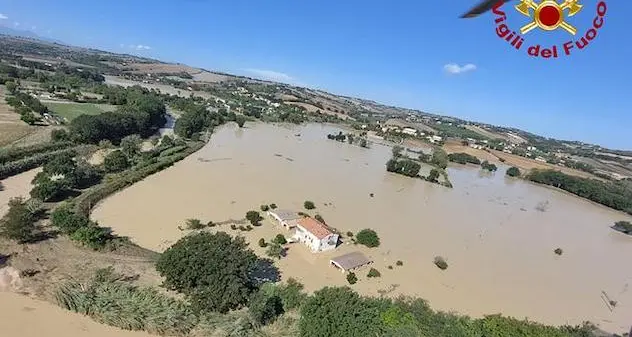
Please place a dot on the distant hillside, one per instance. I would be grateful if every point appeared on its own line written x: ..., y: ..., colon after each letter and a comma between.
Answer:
x: 4, y: 30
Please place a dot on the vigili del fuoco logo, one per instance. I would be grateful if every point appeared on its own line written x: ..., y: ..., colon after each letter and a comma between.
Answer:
x: 548, y: 16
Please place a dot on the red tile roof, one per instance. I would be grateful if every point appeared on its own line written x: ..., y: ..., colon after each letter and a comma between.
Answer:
x: 315, y: 227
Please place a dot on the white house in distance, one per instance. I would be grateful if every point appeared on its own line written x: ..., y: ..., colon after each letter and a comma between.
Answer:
x: 285, y: 218
x: 315, y: 235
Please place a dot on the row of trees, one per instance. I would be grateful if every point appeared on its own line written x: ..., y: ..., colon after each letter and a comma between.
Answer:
x: 463, y: 158
x: 60, y: 175
x: 143, y: 113
x: 340, y: 312
x: 197, y: 118
x: 611, y: 194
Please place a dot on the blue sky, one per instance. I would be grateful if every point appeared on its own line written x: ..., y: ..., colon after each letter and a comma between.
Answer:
x: 394, y: 52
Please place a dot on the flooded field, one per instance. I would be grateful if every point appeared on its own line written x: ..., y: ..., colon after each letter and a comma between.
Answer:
x: 497, y: 234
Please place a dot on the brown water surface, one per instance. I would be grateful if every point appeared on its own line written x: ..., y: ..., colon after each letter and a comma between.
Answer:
x: 498, y: 246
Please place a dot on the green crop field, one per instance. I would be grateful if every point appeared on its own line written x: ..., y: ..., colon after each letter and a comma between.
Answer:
x: 71, y: 111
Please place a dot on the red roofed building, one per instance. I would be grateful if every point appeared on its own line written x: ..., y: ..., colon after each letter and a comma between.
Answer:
x: 314, y: 234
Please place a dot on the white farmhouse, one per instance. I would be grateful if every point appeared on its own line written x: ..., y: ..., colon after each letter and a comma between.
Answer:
x: 315, y: 235
x: 285, y: 218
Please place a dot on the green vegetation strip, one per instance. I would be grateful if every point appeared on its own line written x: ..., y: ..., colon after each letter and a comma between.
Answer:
x: 16, y: 153
x: 87, y: 200
x: 29, y: 163
x: 610, y: 194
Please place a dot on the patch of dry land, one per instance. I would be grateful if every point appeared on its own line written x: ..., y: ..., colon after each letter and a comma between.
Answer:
x: 54, y: 261
x: 497, y: 234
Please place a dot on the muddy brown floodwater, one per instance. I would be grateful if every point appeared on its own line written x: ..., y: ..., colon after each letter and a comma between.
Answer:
x: 499, y: 246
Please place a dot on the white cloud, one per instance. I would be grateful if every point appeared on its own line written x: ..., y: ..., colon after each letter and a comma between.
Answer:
x: 3, y: 17
x: 33, y: 27
x: 140, y: 47
x: 17, y: 24
x: 455, y: 69
x: 270, y: 75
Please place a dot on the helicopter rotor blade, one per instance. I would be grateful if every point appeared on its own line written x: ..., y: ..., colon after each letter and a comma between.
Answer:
x: 482, y: 7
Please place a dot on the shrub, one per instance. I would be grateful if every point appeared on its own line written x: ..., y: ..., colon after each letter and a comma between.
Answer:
x: 352, y: 278
x: 263, y: 243
x: 368, y: 237
x: 19, y: 223
x: 399, y: 263
x: 279, y: 239
x: 248, y: 228
x: 92, y: 236
x: 213, y: 270
x: 210, y: 224
x: 265, y: 307
x: 441, y: 263
x: 623, y: 227
x: 488, y: 166
x: 273, y: 206
x: 390, y: 267
x: 68, y: 221
x: 513, y: 172
x: 275, y: 250
x: 242, y: 228
x: 558, y: 251
x: 233, y: 227
x: 115, y: 162
x: 319, y: 218
x: 350, y: 234
x: 309, y: 205
x: 194, y: 224
x: 253, y: 216
x: 265, y: 208
x: 373, y: 273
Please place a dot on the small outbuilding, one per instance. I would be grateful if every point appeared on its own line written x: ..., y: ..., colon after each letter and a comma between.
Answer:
x: 285, y: 218
x: 350, y: 262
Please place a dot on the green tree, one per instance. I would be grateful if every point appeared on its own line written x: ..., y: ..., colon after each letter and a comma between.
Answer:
x: 131, y: 145
x: 240, y: 120
x: 19, y: 223
x: 368, y: 237
x: 373, y: 273
x: 166, y: 141
x: 29, y: 118
x: 352, y: 278
x: 513, y: 172
x: 339, y: 312
x: 488, y: 166
x: 265, y: 307
x: 213, y: 270
x: 433, y: 176
x: 439, y: 158
x: 280, y: 239
x: 275, y: 250
x: 12, y: 88
x: 397, y: 151
x: 92, y: 236
x: 115, y: 162
x: 309, y: 204
x: 47, y: 189
x: 254, y: 217
x: 60, y: 135
x: 68, y: 221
